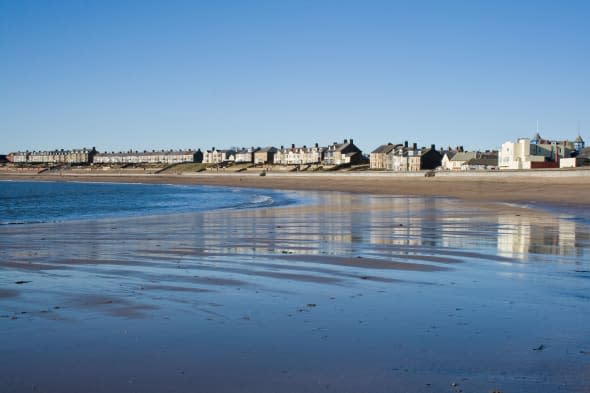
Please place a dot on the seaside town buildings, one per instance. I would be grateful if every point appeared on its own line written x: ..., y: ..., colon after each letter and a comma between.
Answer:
x: 215, y: 156
x: 266, y: 155
x: 537, y: 153
x: 53, y: 157
x: 521, y: 154
x: 246, y: 155
x: 149, y: 157
x: 378, y: 159
x: 346, y: 153
x: 299, y: 155
x: 405, y: 158
x: 454, y: 160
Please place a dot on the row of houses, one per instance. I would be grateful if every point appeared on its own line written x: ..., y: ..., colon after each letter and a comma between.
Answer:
x: 54, y: 157
x: 524, y: 153
x: 335, y: 154
x: 87, y: 156
x: 149, y: 157
x: 405, y: 158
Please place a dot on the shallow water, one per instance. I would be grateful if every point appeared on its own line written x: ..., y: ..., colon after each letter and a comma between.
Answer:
x: 24, y: 202
x: 355, y: 294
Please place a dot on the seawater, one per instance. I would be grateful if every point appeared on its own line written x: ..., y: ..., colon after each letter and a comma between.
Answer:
x: 23, y: 202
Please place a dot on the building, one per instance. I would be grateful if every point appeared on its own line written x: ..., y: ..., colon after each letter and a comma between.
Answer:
x: 246, y: 155
x: 446, y: 160
x: 299, y: 155
x: 534, y: 153
x: 458, y: 159
x: 266, y: 155
x: 215, y: 156
x: 345, y: 153
x: 412, y: 159
x: 579, y: 144
x: 379, y: 157
x: 167, y: 157
x: 53, y: 157
x: 482, y: 162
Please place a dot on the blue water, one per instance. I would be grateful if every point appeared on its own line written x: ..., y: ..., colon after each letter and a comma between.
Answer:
x: 24, y: 202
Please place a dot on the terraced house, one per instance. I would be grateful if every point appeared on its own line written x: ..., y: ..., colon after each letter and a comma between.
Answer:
x: 53, y: 157
x: 215, y: 156
x: 345, y: 153
x: 149, y: 157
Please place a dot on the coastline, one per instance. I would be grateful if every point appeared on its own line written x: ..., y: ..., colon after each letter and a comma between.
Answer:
x: 287, y: 295
x: 510, y: 187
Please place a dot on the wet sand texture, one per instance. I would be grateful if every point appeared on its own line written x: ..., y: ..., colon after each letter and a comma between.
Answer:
x: 354, y: 294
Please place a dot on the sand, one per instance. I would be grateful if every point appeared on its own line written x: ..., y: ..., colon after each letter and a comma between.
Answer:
x: 545, y: 187
x: 355, y: 293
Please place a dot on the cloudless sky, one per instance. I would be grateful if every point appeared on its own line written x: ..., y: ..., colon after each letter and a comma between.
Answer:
x: 144, y: 74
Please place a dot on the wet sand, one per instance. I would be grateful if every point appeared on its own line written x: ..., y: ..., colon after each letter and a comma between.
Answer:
x: 355, y: 293
x: 546, y: 187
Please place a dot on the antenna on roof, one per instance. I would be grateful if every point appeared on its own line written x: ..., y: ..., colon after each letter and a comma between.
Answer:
x: 537, y: 126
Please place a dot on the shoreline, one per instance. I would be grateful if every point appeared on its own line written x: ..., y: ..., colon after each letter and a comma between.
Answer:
x: 511, y: 188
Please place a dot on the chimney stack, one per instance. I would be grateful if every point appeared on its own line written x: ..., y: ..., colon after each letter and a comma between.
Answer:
x: 415, y: 146
x: 346, y: 141
x: 433, y: 147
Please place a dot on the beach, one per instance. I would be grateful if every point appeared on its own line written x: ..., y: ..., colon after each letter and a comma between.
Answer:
x: 563, y: 187
x: 349, y: 291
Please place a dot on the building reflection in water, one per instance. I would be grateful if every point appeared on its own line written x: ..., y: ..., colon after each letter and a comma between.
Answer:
x: 358, y: 223
x: 520, y: 235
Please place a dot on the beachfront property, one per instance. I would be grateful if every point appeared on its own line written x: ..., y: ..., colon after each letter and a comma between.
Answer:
x: 53, y: 157
x: 167, y: 157
x: 378, y: 158
x: 299, y: 155
x: 487, y: 161
x: 534, y: 153
x: 412, y: 159
x: 453, y: 160
x: 469, y: 161
x: 266, y: 155
x: 346, y: 153
x: 215, y: 156
x: 246, y: 155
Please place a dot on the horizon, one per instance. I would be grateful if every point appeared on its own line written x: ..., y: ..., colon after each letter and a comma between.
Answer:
x: 144, y: 76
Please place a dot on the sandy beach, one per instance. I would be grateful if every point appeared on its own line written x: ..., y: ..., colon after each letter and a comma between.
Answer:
x: 349, y: 293
x: 544, y: 187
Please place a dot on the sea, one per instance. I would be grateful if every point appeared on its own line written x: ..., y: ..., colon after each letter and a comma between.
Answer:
x: 24, y: 202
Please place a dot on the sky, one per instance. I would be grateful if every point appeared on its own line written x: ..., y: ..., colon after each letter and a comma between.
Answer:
x: 126, y: 74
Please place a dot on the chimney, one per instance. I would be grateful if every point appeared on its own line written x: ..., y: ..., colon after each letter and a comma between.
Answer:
x: 415, y: 146
x: 346, y: 141
x: 433, y: 147
x: 351, y: 141
x: 317, y: 145
x: 282, y: 147
x: 405, y: 144
x: 292, y: 146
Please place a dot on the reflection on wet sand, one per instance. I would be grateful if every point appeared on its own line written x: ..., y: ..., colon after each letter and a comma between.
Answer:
x: 351, y: 293
x: 520, y: 235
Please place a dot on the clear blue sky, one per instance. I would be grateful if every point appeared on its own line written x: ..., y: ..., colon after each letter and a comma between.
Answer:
x: 176, y: 74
